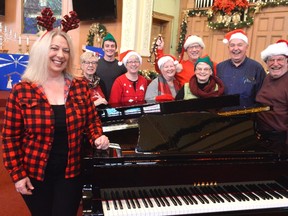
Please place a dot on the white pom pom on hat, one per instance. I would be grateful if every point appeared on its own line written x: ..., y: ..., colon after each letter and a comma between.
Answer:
x: 124, y: 56
x: 235, y: 34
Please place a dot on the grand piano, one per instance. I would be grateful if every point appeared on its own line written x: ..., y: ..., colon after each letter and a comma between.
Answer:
x: 194, y: 157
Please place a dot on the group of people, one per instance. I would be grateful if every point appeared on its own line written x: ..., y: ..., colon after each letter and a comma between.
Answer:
x: 48, y: 112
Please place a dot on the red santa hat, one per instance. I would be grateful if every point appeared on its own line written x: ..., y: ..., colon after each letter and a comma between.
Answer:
x: 282, y: 40
x: 235, y: 34
x: 191, y: 39
x: 126, y: 55
x: 279, y: 48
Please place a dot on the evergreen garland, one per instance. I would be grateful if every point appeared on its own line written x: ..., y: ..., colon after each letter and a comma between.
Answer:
x: 248, y: 21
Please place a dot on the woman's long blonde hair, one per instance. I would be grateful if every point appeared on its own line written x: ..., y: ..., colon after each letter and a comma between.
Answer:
x: 37, y: 68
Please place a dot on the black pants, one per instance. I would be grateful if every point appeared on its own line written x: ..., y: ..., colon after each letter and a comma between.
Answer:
x: 55, y: 196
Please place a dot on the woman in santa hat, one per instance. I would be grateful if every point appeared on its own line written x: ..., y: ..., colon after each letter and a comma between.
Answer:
x: 129, y: 88
x: 165, y: 86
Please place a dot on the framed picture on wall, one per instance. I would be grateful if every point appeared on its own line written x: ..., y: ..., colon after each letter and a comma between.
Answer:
x: 32, y: 9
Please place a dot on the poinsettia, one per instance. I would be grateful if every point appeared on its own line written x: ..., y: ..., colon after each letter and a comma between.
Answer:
x: 229, y: 6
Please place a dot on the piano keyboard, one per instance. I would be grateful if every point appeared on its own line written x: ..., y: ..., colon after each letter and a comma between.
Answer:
x: 188, y: 199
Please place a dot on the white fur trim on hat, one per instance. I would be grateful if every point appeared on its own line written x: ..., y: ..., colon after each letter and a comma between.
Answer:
x: 193, y: 39
x: 165, y: 59
x: 239, y: 36
x: 275, y: 49
x: 129, y: 54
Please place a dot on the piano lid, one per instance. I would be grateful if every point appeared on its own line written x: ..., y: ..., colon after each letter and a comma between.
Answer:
x: 199, y: 132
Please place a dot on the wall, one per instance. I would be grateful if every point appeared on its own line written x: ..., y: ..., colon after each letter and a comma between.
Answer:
x: 172, y: 8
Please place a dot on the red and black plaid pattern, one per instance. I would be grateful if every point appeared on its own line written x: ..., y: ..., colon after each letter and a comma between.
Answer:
x: 71, y: 22
x: 46, y: 20
x: 28, y: 129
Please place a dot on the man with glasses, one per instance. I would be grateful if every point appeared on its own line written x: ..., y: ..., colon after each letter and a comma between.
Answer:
x: 240, y: 74
x: 108, y: 68
x: 272, y: 126
x: 193, y: 46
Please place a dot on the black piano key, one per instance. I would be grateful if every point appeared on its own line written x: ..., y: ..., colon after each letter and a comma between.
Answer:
x: 106, y: 201
x: 270, y: 191
x: 258, y: 191
x: 114, y: 200
x: 191, y: 198
x: 171, y: 196
x: 159, y: 197
x: 200, y: 196
x: 145, y: 193
x: 131, y: 200
x: 224, y: 194
x: 135, y: 198
x: 182, y: 195
x: 175, y: 196
x: 279, y: 189
x: 206, y: 192
x: 235, y: 192
x: 126, y: 198
x: 153, y: 195
x: 143, y: 198
x: 160, y: 192
x: 248, y: 192
x: 118, y: 199
x: 212, y: 192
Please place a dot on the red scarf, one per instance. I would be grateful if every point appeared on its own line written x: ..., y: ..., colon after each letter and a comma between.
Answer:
x: 163, y: 87
x: 209, y: 89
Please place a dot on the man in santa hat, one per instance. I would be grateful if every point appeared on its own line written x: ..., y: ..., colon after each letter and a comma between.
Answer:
x: 108, y: 69
x: 240, y: 74
x: 272, y: 126
x: 193, y: 46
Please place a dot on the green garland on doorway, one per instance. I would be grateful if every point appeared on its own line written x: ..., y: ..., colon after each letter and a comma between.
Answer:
x: 211, y: 17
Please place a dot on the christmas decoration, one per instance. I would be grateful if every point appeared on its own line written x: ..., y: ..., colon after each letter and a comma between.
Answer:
x: 98, y: 30
x: 227, y: 14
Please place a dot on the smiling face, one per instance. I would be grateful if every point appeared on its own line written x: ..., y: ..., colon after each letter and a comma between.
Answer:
x: 133, y: 64
x: 168, y: 70
x: 89, y: 66
x: 277, y: 65
x: 109, y: 48
x: 237, y: 50
x: 59, y: 54
x: 194, y: 51
x: 203, y: 71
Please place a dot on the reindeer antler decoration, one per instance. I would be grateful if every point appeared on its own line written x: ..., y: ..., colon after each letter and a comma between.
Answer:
x: 47, y: 20
x: 71, y: 22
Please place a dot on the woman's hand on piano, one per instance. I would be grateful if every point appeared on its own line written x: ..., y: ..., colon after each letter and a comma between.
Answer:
x: 102, y: 142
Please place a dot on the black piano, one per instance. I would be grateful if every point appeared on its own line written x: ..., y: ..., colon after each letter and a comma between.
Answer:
x: 195, y: 157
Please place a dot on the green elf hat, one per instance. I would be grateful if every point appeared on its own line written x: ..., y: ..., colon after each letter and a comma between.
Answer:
x: 205, y: 59
x: 109, y: 37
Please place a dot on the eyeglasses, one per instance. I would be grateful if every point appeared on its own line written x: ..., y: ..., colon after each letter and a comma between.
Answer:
x: 203, y: 69
x: 194, y: 47
x: 90, y: 62
x: 278, y: 60
x: 133, y: 62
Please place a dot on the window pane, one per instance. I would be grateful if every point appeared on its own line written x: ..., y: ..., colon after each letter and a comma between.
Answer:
x: 32, y: 9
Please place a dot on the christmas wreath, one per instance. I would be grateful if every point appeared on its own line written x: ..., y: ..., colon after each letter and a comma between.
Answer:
x: 98, y: 30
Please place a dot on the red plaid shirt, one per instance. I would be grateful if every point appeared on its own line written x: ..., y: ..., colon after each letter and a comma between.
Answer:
x: 28, y: 129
